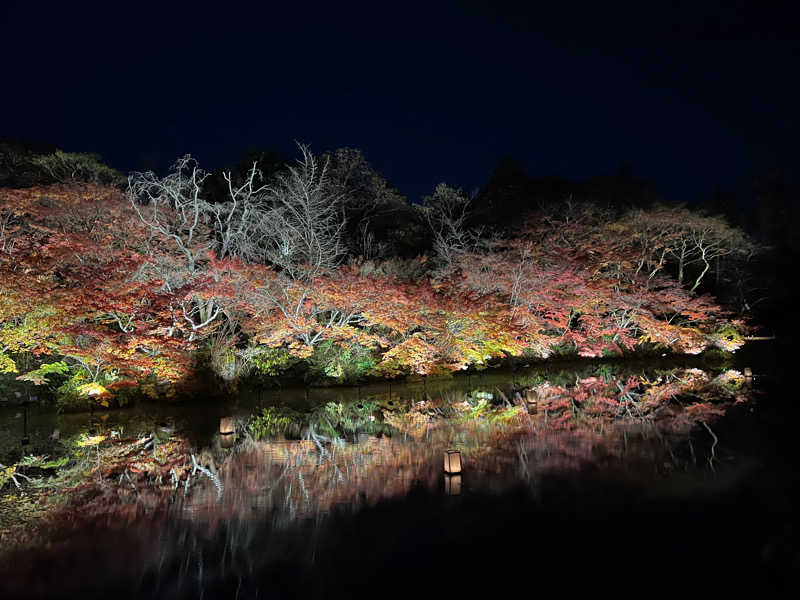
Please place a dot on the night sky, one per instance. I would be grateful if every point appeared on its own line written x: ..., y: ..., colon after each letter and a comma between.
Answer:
x: 693, y: 96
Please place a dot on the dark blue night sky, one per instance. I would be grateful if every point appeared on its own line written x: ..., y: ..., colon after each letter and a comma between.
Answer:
x: 693, y: 97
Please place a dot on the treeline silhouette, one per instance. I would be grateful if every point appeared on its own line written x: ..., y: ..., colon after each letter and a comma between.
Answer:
x: 381, y: 223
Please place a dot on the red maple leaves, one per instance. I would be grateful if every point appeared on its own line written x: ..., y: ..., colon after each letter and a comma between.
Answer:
x: 82, y: 278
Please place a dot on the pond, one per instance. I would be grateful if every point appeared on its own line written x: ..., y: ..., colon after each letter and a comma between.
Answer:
x: 648, y: 476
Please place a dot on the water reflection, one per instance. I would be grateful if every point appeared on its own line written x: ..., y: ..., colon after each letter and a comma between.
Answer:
x: 192, y: 507
x: 359, y: 453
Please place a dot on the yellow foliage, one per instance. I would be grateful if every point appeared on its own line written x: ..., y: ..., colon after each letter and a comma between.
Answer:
x: 91, y: 440
x: 94, y: 389
x: 7, y: 364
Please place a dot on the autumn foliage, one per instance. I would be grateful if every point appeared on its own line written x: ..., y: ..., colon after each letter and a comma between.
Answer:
x: 86, y: 284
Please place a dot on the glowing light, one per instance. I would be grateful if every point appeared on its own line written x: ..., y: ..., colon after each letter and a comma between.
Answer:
x: 452, y: 462
x: 452, y: 485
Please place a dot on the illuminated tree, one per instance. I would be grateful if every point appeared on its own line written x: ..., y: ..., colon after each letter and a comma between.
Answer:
x: 124, y: 290
x: 69, y: 167
x: 185, y: 232
x: 303, y: 228
x: 239, y: 220
x: 174, y: 210
x: 446, y: 213
x: 683, y: 237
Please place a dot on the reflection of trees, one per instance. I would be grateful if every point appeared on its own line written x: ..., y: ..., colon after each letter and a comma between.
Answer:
x: 638, y: 425
x: 612, y: 422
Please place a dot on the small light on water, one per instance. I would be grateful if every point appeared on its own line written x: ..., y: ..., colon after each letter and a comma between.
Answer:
x: 531, y: 401
x: 226, y: 429
x: 226, y: 425
x: 452, y: 485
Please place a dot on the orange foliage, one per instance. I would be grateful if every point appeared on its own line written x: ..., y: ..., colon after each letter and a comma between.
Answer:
x: 82, y: 278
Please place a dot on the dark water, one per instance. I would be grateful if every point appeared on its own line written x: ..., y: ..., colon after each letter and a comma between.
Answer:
x: 198, y: 417
x: 635, y: 514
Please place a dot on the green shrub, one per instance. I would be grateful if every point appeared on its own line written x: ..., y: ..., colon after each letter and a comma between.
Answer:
x: 565, y: 349
x: 74, y: 166
x: 339, y: 419
x: 225, y: 364
x: 72, y: 394
x: 607, y: 372
x: 611, y: 353
x: 68, y: 397
x: 530, y: 380
x: 277, y: 420
x: 727, y: 338
x: 346, y: 362
x: 269, y: 361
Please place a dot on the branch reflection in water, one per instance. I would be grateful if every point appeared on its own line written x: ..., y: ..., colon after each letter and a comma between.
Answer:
x: 625, y: 423
x: 178, y: 516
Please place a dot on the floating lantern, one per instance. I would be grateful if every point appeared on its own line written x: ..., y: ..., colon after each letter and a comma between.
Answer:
x: 748, y: 372
x: 452, y: 462
x: 452, y: 485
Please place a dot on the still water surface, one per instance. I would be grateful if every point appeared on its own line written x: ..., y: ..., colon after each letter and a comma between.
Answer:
x: 676, y: 488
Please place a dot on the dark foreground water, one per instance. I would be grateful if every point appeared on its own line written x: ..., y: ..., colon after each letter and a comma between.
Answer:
x: 707, y: 513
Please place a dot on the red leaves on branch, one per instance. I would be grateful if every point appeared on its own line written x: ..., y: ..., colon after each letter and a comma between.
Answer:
x: 81, y: 277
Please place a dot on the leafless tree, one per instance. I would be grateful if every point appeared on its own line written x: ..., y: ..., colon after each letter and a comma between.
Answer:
x: 293, y: 224
x: 519, y: 277
x: 445, y: 213
x: 175, y: 212
x: 569, y: 223
x: 301, y: 236
x: 685, y: 238
x: 239, y: 222
x: 710, y: 239
x: 302, y: 230
x: 172, y: 207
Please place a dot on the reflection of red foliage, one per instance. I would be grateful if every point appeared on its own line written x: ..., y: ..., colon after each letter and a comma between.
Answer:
x: 595, y: 423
